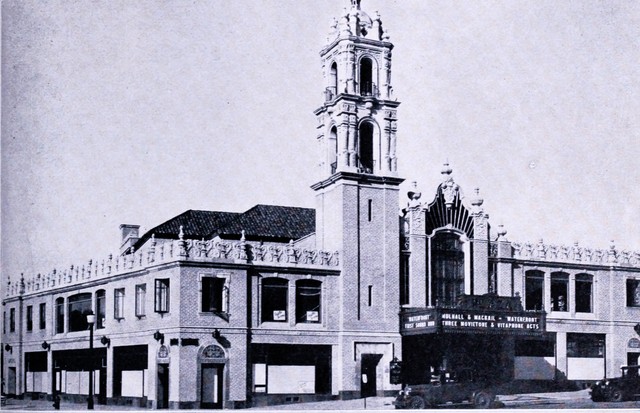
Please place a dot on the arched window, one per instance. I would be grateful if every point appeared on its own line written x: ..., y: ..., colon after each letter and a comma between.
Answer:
x: 59, y: 315
x: 366, y: 162
x: 333, y: 149
x: 333, y: 80
x: 366, y: 77
x: 447, y: 266
x: 559, y: 291
x: 534, y: 290
x: 308, y: 301
x: 275, y: 297
x: 100, y: 309
x: 79, y: 306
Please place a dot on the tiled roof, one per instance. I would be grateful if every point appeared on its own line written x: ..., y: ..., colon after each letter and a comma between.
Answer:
x: 262, y: 222
x: 195, y: 224
x: 271, y: 222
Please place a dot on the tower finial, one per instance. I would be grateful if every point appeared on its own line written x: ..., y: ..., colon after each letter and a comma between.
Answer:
x: 356, y: 4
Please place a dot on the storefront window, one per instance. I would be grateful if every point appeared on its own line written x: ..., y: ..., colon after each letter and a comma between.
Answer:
x: 534, y: 288
x: 447, y: 265
x: 275, y: 292
x: 584, y: 287
x: 585, y: 345
x: 559, y: 291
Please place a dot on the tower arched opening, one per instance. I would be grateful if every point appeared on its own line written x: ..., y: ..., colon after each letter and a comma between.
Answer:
x: 366, y: 162
x: 366, y: 77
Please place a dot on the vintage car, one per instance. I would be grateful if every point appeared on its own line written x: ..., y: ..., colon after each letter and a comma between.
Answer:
x: 447, y: 387
x: 626, y: 387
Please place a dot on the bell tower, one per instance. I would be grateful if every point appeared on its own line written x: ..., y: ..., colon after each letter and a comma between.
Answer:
x: 357, y: 204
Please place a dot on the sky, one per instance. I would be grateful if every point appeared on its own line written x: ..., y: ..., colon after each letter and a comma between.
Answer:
x: 135, y: 111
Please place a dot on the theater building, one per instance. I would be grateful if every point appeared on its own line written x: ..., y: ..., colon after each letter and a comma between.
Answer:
x: 282, y: 304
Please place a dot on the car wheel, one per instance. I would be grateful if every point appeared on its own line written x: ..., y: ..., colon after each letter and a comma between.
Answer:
x: 417, y: 402
x: 482, y: 400
x: 616, y: 395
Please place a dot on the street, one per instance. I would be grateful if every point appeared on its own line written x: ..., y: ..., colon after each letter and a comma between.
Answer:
x: 561, y: 400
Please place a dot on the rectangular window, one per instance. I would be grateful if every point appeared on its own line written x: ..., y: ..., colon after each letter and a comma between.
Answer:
x: 534, y: 348
x: 534, y: 288
x: 633, y: 293
x: 584, y: 292
x: 585, y: 345
x: 370, y: 298
x: 308, y: 301
x: 29, y: 318
x: 101, y: 309
x: 162, y: 296
x: 370, y: 209
x: 12, y: 320
x: 118, y: 303
x: 404, y: 280
x: 141, y: 296
x: 559, y: 291
x: 59, y: 315
x: 4, y: 322
x: 43, y: 316
x: 275, y: 298
x: 214, y: 294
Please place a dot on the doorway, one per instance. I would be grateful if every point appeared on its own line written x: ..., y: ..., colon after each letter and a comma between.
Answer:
x: 633, y: 358
x: 211, y: 387
x: 11, y: 381
x: 368, y: 382
x: 162, y: 395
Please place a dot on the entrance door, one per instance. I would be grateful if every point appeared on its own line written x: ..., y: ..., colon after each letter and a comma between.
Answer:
x: 11, y: 381
x: 162, y: 391
x: 211, y: 389
x: 102, y: 395
x: 633, y: 359
x: 368, y: 365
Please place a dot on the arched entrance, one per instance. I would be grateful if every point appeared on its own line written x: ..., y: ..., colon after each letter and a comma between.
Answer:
x: 212, y: 360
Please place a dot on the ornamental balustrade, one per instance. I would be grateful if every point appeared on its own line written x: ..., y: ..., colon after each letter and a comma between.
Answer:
x: 242, y: 252
x: 574, y: 254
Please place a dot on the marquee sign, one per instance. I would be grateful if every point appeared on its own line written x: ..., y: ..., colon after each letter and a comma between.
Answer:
x: 452, y: 320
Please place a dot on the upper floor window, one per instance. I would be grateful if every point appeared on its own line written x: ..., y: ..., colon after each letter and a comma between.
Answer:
x: 29, y: 318
x: 59, y: 315
x: 12, y: 320
x: 78, y: 306
x: 447, y: 266
x: 404, y: 279
x: 215, y: 294
x: 43, y: 316
x: 633, y: 293
x: 275, y: 298
x: 559, y: 291
x: 4, y: 322
x: 534, y: 290
x: 141, y: 297
x: 584, y: 293
x: 118, y: 303
x: 308, y: 301
x: 101, y: 310
x: 367, y: 87
x: 332, y: 89
x: 162, y: 296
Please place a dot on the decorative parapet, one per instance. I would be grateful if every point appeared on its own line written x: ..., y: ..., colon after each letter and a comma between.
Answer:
x: 575, y: 254
x: 166, y: 251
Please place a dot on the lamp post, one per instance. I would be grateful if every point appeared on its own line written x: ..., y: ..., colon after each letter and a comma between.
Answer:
x: 91, y: 318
